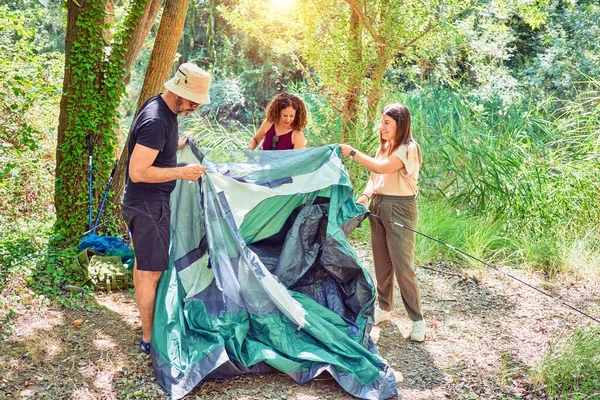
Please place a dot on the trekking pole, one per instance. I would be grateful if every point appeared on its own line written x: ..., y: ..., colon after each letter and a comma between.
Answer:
x: 110, y: 179
x: 90, y: 188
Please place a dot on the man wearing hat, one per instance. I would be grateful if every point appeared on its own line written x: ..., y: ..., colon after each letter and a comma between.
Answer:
x: 151, y: 174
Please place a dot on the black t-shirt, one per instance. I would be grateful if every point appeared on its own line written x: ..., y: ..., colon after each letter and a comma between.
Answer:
x: 155, y: 127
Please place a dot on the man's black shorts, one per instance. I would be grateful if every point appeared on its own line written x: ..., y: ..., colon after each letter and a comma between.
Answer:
x: 149, y: 224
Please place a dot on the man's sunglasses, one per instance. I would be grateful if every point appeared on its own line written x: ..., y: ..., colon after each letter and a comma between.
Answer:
x: 274, y: 143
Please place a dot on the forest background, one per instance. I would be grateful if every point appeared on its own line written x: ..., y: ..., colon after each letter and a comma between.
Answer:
x: 504, y: 95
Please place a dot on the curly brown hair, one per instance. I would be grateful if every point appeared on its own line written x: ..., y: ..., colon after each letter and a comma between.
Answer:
x: 283, y: 101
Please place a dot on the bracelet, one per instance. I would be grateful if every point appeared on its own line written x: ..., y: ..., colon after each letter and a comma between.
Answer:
x: 364, y: 194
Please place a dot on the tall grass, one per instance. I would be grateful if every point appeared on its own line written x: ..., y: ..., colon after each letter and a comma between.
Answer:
x: 211, y: 134
x: 531, y: 167
x: 570, y: 368
x: 477, y: 236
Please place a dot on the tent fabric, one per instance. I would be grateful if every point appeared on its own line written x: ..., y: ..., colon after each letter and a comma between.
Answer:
x: 262, y: 277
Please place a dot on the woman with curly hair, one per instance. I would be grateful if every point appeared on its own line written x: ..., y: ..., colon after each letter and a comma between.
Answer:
x: 282, y: 129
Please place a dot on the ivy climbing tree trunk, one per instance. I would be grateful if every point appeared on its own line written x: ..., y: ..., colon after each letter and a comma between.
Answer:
x: 85, y: 22
x: 92, y: 89
x: 159, y: 68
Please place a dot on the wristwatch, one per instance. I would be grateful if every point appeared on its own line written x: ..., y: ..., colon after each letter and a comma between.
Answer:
x: 352, y: 153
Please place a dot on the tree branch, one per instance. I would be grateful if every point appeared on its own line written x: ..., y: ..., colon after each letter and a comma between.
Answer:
x: 314, y: 84
x: 365, y: 21
x: 429, y: 28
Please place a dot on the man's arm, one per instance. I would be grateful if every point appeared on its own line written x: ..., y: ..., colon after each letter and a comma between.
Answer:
x: 141, y: 169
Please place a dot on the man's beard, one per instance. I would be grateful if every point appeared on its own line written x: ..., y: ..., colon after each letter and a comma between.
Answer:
x: 180, y: 109
x: 179, y: 106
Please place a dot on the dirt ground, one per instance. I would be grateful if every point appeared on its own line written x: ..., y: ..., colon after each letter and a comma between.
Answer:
x: 484, y: 332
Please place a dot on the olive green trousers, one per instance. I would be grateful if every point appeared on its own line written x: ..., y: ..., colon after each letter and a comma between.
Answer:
x: 393, y: 251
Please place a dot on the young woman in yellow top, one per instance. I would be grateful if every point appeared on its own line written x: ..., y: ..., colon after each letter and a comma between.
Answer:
x: 391, y: 190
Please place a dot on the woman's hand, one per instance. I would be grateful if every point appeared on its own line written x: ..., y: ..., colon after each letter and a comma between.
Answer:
x: 345, y: 149
x: 363, y: 199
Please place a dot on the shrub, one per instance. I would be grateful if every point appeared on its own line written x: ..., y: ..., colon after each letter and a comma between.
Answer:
x: 570, y: 368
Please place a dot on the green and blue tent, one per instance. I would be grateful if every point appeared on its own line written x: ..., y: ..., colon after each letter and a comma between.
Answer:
x: 262, y: 277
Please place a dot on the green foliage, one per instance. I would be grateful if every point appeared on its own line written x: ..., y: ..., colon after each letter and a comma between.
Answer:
x: 261, y: 79
x: 26, y: 255
x: 570, y: 368
x: 254, y: 73
x: 45, y: 22
x: 19, y: 247
x: 29, y: 93
x: 209, y: 133
x: 506, y: 176
x: 53, y: 272
x: 344, y: 62
x: 227, y: 101
x: 6, y: 321
x: 517, y: 164
x: 568, y: 49
x: 514, y: 183
x: 315, y: 34
x: 28, y: 86
x: 325, y: 125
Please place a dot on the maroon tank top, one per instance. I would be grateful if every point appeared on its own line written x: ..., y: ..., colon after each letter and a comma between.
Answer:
x: 283, y: 142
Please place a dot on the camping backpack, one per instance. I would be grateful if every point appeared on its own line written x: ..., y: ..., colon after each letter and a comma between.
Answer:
x: 102, y: 272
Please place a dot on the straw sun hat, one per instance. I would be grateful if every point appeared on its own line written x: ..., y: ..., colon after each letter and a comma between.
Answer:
x: 190, y: 82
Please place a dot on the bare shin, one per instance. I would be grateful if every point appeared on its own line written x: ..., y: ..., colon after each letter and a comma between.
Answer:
x: 146, y: 283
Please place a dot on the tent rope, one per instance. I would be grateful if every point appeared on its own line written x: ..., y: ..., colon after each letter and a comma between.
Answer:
x: 488, y: 265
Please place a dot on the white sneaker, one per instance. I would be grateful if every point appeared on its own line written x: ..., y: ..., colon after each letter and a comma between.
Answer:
x: 382, y: 316
x: 418, y: 331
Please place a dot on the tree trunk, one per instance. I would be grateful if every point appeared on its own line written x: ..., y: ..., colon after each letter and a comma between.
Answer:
x: 159, y: 69
x: 71, y: 174
x: 73, y: 11
x: 141, y: 33
x: 384, y: 57
x: 109, y: 21
x: 92, y: 88
x: 354, y: 83
x: 164, y: 52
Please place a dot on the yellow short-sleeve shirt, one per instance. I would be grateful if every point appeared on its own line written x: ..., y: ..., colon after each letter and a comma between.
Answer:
x: 402, y: 182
